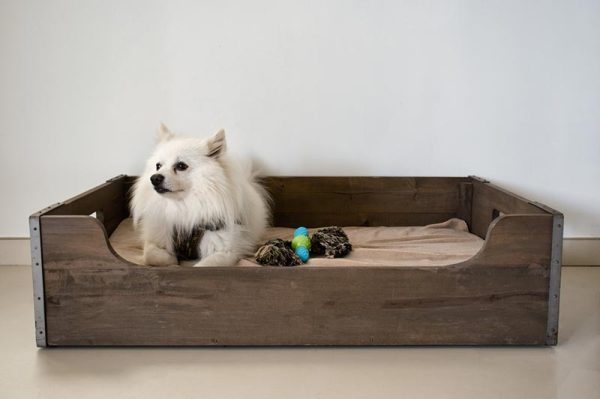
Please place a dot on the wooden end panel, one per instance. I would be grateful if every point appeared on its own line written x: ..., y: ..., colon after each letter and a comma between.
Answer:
x: 109, y: 200
x: 517, y: 240
x: 490, y: 201
x: 76, y: 242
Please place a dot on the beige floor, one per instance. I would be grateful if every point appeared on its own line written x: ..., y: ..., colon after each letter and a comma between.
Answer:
x: 570, y: 370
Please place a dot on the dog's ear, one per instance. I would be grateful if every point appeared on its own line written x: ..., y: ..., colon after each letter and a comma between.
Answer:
x: 216, y: 144
x: 163, y: 133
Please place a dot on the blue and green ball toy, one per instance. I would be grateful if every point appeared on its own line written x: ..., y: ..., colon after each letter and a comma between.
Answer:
x: 301, y: 244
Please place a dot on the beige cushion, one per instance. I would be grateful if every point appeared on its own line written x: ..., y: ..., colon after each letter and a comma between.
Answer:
x: 434, y: 245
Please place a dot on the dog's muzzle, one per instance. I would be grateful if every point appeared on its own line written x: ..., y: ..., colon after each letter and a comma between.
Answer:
x: 157, y: 180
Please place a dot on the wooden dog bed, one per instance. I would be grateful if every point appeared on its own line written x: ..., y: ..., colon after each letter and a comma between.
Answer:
x: 503, y: 290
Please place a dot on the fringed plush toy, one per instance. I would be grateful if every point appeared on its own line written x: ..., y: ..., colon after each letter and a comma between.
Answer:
x: 277, y: 252
x: 329, y: 241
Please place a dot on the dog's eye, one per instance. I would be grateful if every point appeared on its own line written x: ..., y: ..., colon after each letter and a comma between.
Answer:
x: 181, y: 166
x: 158, y: 165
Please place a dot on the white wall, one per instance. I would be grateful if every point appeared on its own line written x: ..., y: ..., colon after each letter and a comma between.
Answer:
x: 509, y: 90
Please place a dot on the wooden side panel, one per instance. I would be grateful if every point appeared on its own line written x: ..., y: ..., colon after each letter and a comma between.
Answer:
x: 95, y: 298
x: 315, y: 201
x: 490, y: 201
x: 295, y: 219
x: 363, y: 201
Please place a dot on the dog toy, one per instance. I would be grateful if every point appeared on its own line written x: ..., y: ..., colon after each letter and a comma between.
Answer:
x: 301, y: 244
x: 301, y: 231
x: 302, y: 253
x: 329, y: 241
x: 277, y: 252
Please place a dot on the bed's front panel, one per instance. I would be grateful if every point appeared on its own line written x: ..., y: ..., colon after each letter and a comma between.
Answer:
x: 302, y: 306
x: 94, y: 298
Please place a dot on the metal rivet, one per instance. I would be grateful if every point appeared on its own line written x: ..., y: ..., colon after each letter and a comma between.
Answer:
x: 35, y: 228
x: 559, y: 225
x: 39, y: 299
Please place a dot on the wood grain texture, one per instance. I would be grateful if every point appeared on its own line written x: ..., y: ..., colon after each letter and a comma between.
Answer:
x: 363, y: 201
x: 515, y: 240
x: 465, y: 202
x: 95, y: 298
x: 109, y: 200
x: 488, y: 198
x: 317, y: 219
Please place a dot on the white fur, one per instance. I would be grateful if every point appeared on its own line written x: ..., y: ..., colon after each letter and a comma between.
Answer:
x: 214, y: 187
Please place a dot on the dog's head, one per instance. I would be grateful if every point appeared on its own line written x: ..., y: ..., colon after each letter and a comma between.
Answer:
x: 179, y: 164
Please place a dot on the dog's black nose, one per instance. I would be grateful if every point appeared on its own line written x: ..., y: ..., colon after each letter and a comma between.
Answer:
x: 156, y: 179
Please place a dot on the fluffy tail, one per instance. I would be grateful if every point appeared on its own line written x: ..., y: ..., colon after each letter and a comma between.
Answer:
x: 256, y: 177
x: 256, y: 208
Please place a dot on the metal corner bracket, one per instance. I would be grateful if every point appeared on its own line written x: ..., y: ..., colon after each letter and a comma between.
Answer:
x: 554, y: 285
x: 479, y: 179
x: 117, y: 177
x: 38, y: 280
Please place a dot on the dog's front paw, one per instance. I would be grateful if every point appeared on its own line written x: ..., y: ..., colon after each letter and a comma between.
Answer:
x: 156, y: 256
x: 218, y: 259
x: 203, y: 263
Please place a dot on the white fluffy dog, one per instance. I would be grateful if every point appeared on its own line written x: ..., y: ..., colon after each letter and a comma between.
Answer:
x: 194, y: 202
